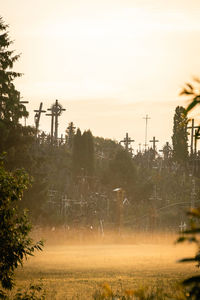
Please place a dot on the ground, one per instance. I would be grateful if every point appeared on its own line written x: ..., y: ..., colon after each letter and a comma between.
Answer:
x: 76, y: 270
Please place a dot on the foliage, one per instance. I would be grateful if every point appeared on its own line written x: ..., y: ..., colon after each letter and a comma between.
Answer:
x: 83, y: 154
x: 191, y: 235
x: 152, y: 292
x: 33, y: 292
x: 14, y: 226
x: 192, y: 90
x: 121, y: 170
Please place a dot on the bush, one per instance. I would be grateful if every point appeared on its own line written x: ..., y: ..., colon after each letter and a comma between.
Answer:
x: 14, y: 226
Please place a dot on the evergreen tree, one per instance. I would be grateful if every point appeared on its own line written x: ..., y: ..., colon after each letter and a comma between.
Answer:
x: 13, y: 135
x: 179, y: 138
x: 70, y: 132
x: 11, y: 110
x: 88, y: 152
x: 83, y: 153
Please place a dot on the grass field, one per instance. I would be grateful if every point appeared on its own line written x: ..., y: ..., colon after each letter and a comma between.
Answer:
x: 75, y: 270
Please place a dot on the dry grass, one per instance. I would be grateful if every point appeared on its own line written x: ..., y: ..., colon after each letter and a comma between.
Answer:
x: 74, y: 270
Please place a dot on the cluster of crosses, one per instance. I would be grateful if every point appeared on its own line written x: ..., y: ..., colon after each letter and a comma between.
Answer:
x: 127, y: 143
x: 55, y: 111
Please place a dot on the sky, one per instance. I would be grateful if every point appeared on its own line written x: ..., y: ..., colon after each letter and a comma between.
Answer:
x: 108, y: 62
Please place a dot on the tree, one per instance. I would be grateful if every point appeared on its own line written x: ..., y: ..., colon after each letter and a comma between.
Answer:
x: 11, y: 110
x: 179, y: 138
x: 14, y: 226
x: 70, y: 132
x: 191, y: 235
x: 121, y: 171
x: 88, y: 152
x: 83, y: 153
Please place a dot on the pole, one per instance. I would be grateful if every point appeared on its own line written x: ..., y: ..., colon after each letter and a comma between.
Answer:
x: 146, y: 121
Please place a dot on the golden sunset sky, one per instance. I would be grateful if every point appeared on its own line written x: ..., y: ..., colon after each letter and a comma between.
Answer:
x: 109, y: 63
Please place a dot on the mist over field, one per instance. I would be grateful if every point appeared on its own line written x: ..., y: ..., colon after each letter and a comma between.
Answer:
x: 75, y: 268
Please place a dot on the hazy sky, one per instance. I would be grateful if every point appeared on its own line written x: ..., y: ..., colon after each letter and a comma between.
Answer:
x: 108, y: 62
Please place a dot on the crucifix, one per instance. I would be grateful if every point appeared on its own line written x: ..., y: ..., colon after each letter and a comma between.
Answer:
x: 127, y: 141
x: 145, y: 141
x: 37, y: 117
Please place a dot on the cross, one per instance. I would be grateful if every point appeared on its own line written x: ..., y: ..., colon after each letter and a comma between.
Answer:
x: 192, y: 136
x: 196, y: 137
x: 37, y: 116
x: 145, y: 142
x: 154, y: 141
x: 57, y: 110
x: 155, y: 195
x: 182, y: 226
x: 127, y: 141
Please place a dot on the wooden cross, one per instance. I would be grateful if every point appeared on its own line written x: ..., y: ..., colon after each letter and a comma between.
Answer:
x: 37, y: 117
x: 154, y: 141
x: 127, y: 141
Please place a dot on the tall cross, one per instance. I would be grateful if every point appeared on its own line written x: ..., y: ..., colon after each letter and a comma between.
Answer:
x: 192, y: 127
x: 127, y: 141
x: 37, y: 117
x: 146, y: 123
